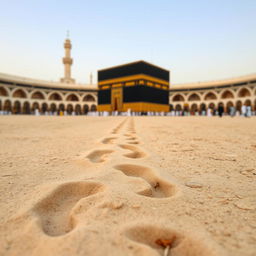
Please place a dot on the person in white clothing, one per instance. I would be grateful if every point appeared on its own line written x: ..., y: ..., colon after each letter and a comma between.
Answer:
x: 209, y: 112
x: 248, y: 111
x: 243, y: 110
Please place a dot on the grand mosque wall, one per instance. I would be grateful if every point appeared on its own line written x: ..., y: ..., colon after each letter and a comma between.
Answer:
x: 19, y: 95
x: 198, y: 97
x: 23, y: 96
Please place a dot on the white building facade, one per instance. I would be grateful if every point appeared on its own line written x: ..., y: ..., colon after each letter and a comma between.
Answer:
x: 23, y: 96
x: 199, y: 97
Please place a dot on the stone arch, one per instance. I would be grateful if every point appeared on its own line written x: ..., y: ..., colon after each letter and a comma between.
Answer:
x: 239, y: 105
x: 61, y: 107
x: 171, y: 108
x: 7, y: 106
x: 85, y: 109
x: 227, y: 94
x: 193, y: 108
x: 186, y: 107
x: 228, y: 106
x: 70, y: 109
x: 194, y: 97
x: 19, y: 93
x: 93, y: 108
x: 89, y: 98
x: 202, y: 107
x: 26, y: 108
x: 178, y: 97
x: 44, y: 107
x: 37, y: 95
x: 211, y: 105
x: 3, y: 91
x: 210, y: 96
x: 35, y: 106
x: 223, y: 105
x: 178, y: 107
x: 53, y: 108
x: 78, y: 109
x: 17, y: 107
x: 248, y: 103
x: 243, y: 92
x: 72, y: 97
x: 55, y: 96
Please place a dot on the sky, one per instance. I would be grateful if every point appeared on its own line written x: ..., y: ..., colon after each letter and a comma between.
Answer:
x: 197, y: 40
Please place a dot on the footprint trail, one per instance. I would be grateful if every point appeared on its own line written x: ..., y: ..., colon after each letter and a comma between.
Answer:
x: 63, y: 209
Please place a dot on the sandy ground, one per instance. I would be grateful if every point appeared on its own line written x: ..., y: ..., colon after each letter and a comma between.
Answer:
x: 118, y: 186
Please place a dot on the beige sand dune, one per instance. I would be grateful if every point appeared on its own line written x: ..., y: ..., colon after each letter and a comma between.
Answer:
x: 118, y: 186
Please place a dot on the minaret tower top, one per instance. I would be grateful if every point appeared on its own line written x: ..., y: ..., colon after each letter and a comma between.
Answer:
x: 67, y: 61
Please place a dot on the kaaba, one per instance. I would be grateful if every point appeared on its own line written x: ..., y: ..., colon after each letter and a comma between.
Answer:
x: 138, y: 86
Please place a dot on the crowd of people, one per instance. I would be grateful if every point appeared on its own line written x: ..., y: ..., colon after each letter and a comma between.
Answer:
x: 36, y: 112
x: 245, y: 111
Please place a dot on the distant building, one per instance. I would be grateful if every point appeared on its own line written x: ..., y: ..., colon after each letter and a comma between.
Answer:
x: 198, y: 97
x: 138, y: 86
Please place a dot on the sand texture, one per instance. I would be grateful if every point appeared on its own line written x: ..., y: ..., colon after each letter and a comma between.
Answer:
x: 128, y: 186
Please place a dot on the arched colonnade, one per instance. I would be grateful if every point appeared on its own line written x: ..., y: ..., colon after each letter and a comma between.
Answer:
x: 197, y: 102
x: 22, y: 101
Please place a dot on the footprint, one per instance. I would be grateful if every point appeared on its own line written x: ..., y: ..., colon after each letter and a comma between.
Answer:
x: 134, y: 142
x: 54, y: 210
x: 128, y: 135
x: 109, y: 140
x: 159, y: 187
x: 131, y: 138
x: 136, y: 153
x: 98, y: 156
x: 115, y: 131
x: 146, y: 237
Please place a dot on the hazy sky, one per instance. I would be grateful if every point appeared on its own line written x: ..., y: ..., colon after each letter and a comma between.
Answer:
x: 197, y: 40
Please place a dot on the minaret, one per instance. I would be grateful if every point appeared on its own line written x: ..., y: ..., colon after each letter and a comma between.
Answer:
x: 67, y: 61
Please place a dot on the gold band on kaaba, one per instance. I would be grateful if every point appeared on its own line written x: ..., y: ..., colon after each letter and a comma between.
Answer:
x: 138, y: 86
